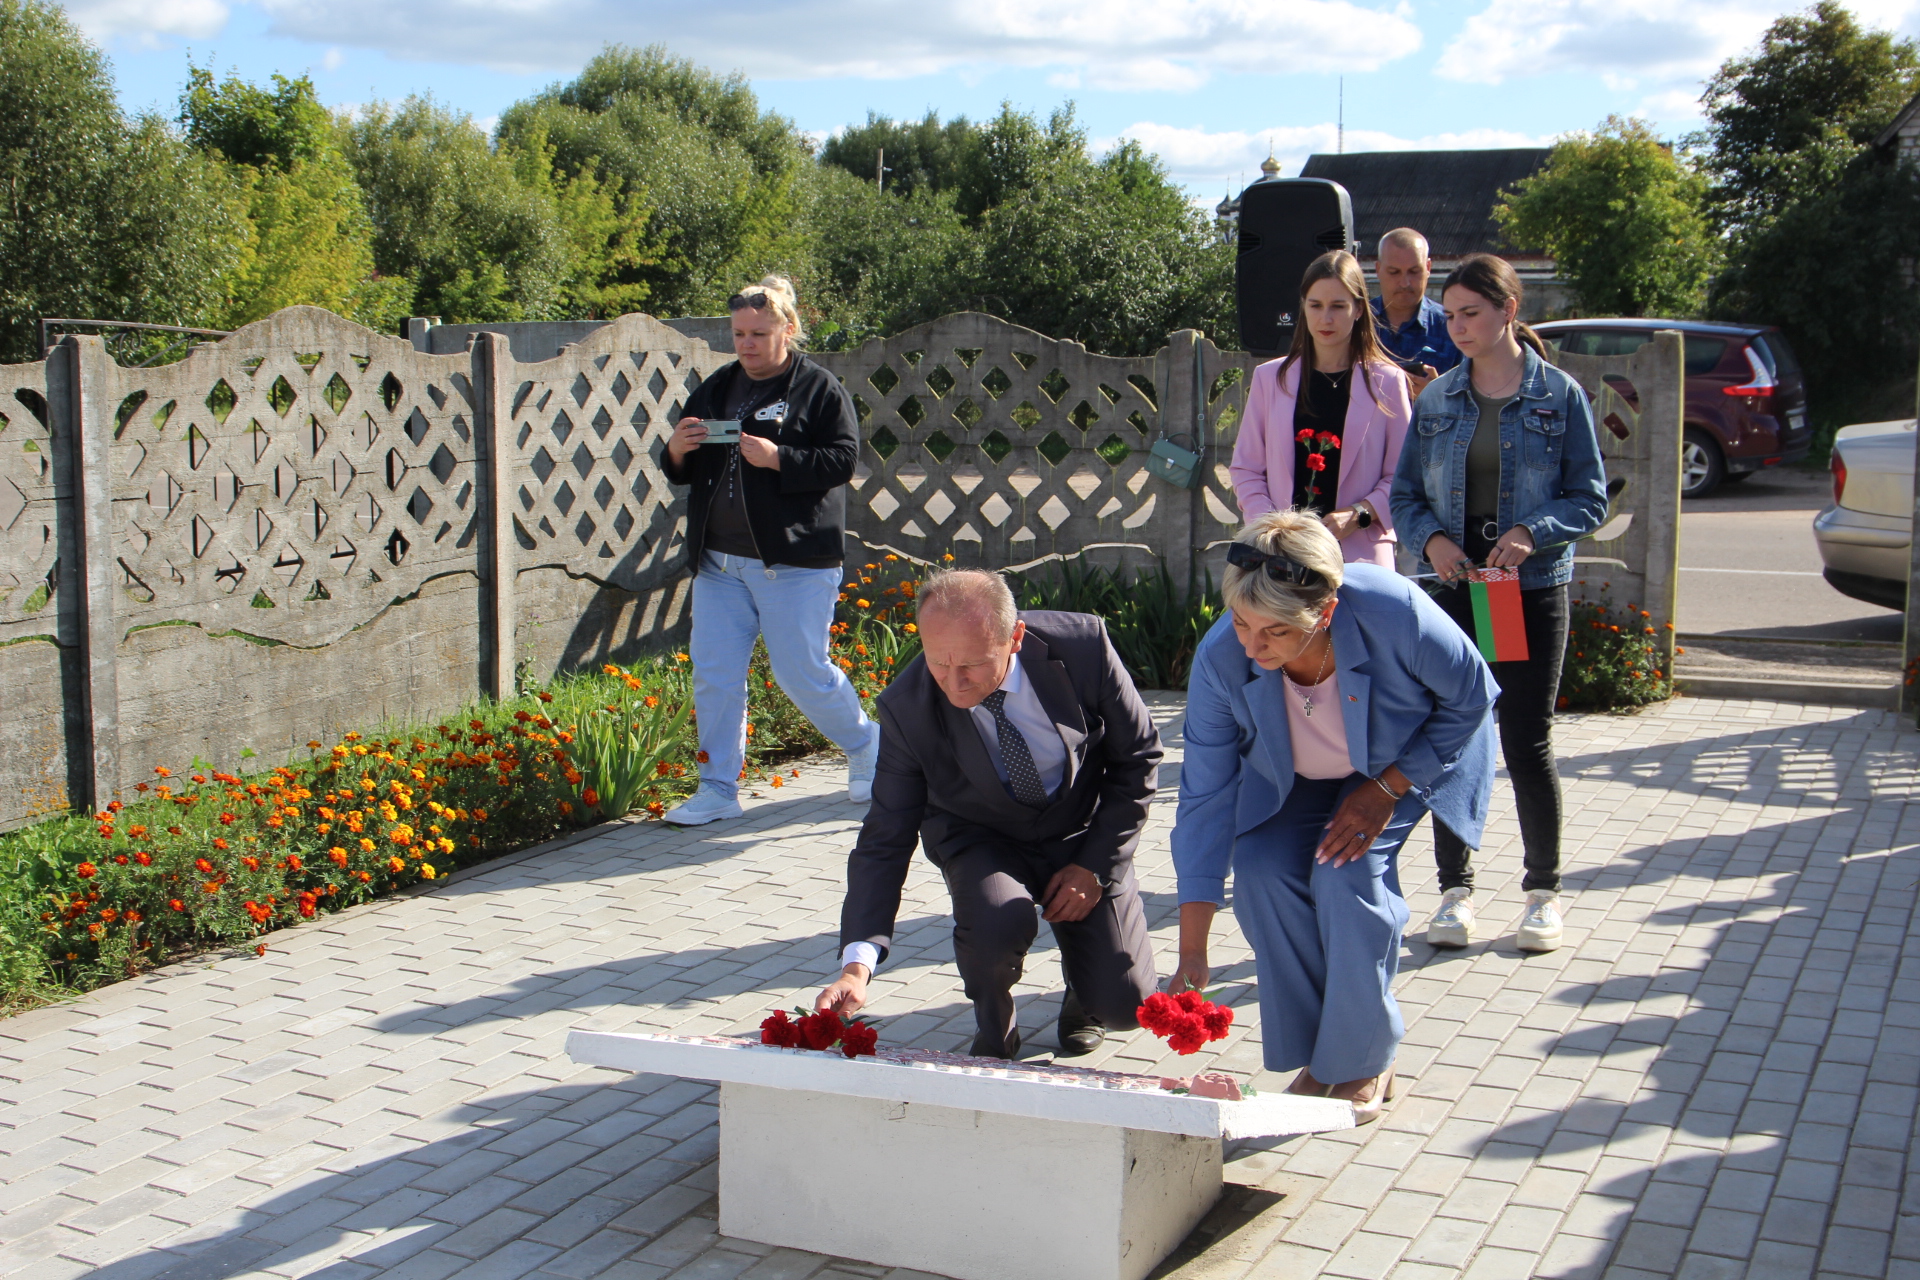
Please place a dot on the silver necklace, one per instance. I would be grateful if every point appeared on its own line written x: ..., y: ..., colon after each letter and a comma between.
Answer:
x: 1306, y: 691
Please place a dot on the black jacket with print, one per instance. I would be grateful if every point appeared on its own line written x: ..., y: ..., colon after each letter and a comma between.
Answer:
x: 798, y: 513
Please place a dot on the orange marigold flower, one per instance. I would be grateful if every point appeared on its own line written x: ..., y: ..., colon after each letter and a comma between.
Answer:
x: 366, y: 845
x: 119, y: 859
x: 144, y: 858
x: 136, y: 831
x: 176, y: 904
x: 163, y: 771
x: 544, y: 696
x: 204, y: 867
x: 260, y: 949
x: 87, y: 870
x: 650, y: 701
x: 591, y: 796
x: 566, y: 808
x: 701, y: 756
x: 134, y: 917
x: 219, y: 843
x: 109, y: 914
x: 338, y: 856
x: 396, y: 865
x: 139, y: 786
x: 778, y: 780
x: 912, y: 630
x: 251, y: 864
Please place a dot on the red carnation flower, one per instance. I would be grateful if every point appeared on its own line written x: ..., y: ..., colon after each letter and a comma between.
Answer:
x: 859, y: 1039
x: 1316, y: 462
x: 1304, y: 435
x: 1186, y: 1021
x: 821, y: 1030
x: 780, y: 1030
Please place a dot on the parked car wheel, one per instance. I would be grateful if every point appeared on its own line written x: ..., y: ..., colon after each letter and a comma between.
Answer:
x: 1702, y: 469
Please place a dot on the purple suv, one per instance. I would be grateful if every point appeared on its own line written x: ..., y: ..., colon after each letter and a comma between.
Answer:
x: 1746, y: 399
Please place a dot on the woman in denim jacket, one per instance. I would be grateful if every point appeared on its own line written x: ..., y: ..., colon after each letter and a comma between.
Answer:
x: 1502, y: 467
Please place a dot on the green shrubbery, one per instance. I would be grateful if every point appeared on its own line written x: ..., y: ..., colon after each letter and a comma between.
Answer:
x: 1615, y: 659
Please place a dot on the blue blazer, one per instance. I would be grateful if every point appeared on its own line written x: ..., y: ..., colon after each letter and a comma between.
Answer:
x: 1414, y: 692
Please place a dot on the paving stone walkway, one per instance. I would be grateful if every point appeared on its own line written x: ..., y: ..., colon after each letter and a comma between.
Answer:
x: 1715, y: 1077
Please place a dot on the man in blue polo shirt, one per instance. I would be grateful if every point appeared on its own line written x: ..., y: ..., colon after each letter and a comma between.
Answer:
x: 1412, y: 326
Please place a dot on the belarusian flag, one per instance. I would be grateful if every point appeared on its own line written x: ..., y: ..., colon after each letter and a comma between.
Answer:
x: 1497, y: 623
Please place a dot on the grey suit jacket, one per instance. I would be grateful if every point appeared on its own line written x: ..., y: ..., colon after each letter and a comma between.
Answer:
x: 936, y: 783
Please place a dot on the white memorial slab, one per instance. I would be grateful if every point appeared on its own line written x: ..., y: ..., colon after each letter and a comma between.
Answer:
x: 964, y: 1167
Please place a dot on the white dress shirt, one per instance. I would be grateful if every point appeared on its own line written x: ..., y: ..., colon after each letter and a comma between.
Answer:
x: 1044, y: 744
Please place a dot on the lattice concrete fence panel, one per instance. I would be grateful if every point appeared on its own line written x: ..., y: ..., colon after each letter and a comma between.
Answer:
x: 308, y: 527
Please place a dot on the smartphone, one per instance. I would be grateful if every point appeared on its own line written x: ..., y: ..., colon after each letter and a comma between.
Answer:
x: 1417, y: 368
x: 722, y: 431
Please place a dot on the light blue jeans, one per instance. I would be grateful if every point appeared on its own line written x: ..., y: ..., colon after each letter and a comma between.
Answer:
x: 736, y: 599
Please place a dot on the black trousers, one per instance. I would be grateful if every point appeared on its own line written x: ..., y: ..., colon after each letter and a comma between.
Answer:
x: 1528, y: 691
x: 997, y: 890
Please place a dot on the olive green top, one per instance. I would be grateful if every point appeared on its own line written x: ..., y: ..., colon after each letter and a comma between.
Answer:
x: 1483, y: 460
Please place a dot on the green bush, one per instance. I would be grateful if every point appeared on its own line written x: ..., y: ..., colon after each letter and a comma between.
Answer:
x: 1615, y: 657
x: 1154, y: 625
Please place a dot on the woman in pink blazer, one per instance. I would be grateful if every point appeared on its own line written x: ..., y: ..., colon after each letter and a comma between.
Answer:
x: 1334, y: 448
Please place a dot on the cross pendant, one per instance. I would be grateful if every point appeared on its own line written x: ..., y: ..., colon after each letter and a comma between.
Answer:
x: 1309, y: 706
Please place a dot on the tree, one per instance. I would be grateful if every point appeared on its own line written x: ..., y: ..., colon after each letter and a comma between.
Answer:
x: 452, y: 215
x: 1783, y: 120
x: 105, y: 217
x: 1822, y: 231
x: 1624, y: 218
x: 311, y: 240
x: 717, y: 181
x: 922, y: 155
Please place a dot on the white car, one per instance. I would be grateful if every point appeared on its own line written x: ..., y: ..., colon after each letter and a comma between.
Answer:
x: 1866, y: 536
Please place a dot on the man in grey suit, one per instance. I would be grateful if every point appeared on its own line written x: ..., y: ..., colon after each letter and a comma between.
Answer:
x: 1016, y: 751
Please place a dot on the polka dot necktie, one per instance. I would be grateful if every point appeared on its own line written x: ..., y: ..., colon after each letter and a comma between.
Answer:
x: 1021, y: 775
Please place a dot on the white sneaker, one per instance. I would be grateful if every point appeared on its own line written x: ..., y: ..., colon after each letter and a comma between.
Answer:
x: 704, y: 806
x: 860, y: 770
x: 1452, y: 924
x: 1540, y: 928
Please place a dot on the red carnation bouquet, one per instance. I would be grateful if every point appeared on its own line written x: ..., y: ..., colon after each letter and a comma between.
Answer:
x: 819, y: 1031
x: 1186, y: 1021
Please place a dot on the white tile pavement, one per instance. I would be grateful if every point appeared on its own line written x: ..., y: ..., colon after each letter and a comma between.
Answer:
x: 1716, y: 1076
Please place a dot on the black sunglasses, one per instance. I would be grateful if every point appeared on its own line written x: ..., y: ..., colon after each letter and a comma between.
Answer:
x: 758, y: 301
x: 1279, y: 568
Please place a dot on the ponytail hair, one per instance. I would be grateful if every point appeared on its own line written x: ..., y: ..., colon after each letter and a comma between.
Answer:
x: 1494, y: 279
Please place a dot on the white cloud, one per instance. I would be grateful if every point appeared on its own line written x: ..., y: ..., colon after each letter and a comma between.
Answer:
x: 1650, y: 44
x: 147, y: 21
x: 333, y: 60
x: 1123, y: 44
x: 1205, y: 160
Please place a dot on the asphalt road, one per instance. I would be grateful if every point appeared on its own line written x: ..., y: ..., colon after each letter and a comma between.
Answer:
x: 1749, y: 565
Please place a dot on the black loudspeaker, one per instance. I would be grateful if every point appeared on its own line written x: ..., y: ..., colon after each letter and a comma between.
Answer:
x: 1285, y: 223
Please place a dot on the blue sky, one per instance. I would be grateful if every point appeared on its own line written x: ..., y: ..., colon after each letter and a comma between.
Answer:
x: 1207, y: 84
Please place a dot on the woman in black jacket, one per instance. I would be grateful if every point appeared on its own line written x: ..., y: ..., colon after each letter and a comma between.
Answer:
x: 766, y: 529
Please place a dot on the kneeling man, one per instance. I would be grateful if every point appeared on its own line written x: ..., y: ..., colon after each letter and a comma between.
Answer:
x: 1016, y: 751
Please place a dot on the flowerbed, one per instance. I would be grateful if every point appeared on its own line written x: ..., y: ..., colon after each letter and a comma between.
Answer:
x: 196, y: 858
x: 1615, y: 657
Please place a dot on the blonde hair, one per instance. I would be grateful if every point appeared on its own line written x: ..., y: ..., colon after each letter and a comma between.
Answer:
x: 972, y: 594
x: 1298, y: 535
x: 782, y: 301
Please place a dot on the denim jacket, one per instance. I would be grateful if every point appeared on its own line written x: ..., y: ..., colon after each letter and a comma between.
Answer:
x: 1558, y: 490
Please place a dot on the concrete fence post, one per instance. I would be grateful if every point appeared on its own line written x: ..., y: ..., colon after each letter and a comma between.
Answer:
x: 493, y: 377
x: 80, y: 413
x: 1183, y: 412
x: 1908, y: 690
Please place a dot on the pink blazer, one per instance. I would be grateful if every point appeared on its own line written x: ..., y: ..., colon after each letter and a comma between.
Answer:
x: 1262, y: 466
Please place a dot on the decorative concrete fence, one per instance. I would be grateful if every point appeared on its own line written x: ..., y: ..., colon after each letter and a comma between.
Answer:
x: 309, y: 527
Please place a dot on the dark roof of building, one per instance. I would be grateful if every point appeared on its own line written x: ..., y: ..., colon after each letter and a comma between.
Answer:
x: 1447, y: 196
x: 1904, y: 117
x: 1637, y: 323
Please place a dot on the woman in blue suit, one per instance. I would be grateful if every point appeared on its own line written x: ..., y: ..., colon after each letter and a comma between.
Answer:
x: 1333, y: 708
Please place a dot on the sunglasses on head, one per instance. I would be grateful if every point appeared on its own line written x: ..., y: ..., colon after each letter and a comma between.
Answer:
x: 1279, y: 568
x: 758, y: 301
